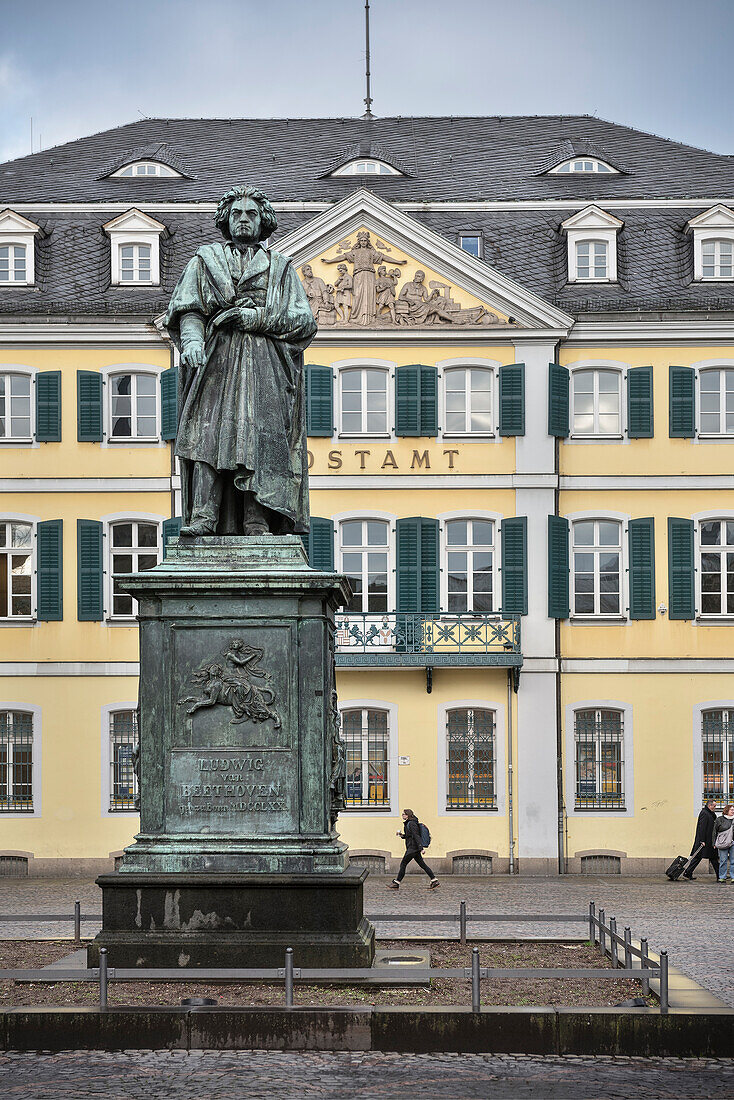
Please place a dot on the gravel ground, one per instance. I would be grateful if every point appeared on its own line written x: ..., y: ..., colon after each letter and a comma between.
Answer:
x: 261, y: 1075
x: 443, y: 991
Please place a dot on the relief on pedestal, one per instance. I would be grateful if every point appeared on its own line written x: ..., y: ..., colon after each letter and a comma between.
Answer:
x: 234, y: 680
x: 367, y: 291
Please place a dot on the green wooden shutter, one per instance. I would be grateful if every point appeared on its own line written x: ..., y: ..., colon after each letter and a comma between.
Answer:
x: 90, y: 603
x: 558, y: 571
x: 319, y: 401
x: 515, y: 565
x: 428, y: 378
x: 319, y: 543
x: 416, y: 400
x: 417, y: 565
x: 512, y: 399
x: 50, y: 579
x: 171, y: 528
x: 89, y: 406
x: 681, y: 599
x: 48, y: 406
x: 558, y: 405
x: 169, y: 403
x: 639, y: 403
x: 641, y: 543
x: 682, y: 403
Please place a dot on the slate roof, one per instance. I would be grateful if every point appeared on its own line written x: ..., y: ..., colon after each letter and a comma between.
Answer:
x: 450, y: 159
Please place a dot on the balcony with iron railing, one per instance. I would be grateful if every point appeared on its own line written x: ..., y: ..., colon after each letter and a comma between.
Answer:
x: 398, y: 638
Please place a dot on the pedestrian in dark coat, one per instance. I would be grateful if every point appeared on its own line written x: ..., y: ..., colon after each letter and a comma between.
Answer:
x: 705, y: 836
x: 411, y: 834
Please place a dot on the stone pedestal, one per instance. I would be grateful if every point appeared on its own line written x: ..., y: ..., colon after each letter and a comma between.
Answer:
x: 237, y: 854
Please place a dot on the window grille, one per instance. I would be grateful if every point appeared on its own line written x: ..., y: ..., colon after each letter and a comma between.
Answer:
x: 367, y: 736
x: 471, y: 865
x: 13, y: 867
x: 717, y: 730
x: 599, y: 761
x: 470, y: 759
x: 601, y: 865
x: 16, y: 570
x: 123, y: 747
x: 717, y: 567
x: 374, y: 864
x: 16, y: 762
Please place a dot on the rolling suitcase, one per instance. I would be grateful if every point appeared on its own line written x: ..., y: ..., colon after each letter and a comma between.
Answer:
x: 681, y: 863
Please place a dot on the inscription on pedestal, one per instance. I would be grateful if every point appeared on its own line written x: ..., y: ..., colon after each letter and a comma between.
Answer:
x: 231, y: 791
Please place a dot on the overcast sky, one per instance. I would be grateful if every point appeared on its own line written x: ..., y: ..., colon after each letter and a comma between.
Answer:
x: 79, y: 66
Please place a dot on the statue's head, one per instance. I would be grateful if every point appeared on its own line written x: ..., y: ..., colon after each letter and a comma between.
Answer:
x: 307, y: 271
x: 341, y: 268
x: 419, y: 276
x: 363, y: 238
x: 245, y: 214
x: 382, y: 270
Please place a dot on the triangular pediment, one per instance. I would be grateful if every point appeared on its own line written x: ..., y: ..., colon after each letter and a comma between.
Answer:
x: 592, y: 217
x: 718, y: 217
x: 10, y: 222
x: 134, y: 221
x: 456, y: 291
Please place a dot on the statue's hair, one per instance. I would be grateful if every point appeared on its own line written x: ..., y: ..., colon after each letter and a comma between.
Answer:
x: 268, y: 220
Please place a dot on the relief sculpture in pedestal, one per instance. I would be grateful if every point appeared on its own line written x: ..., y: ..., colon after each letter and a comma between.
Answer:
x: 230, y: 680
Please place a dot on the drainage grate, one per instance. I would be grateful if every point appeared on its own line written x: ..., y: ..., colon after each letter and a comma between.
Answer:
x: 13, y: 867
x: 374, y: 864
x: 601, y: 865
x: 472, y: 865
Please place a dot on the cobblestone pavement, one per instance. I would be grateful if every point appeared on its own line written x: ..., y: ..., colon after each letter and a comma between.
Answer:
x: 264, y: 1075
x: 692, y: 920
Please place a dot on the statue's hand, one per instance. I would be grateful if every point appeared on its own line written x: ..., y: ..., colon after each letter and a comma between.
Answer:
x: 192, y: 355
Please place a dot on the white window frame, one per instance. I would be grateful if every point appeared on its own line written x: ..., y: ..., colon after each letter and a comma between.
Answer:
x: 718, y: 515
x: 30, y: 373
x: 475, y: 236
x: 569, y: 167
x: 108, y: 523
x: 703, y: 368
x: 605, y: 517
x: 592, y: 224
x: 134, y: 227
x: 595, y: 367
x: 714, y: 224
x: 136, y: 246
x: 162, y: 170
x: 32, y: 522
x: 468, y: 432
x: 106, y: 757
x: 12, y: 281
x: 366, y: 166
x: 468, y: 362
x: 622, y: 440
x: 468, y: 514
x: 592, y: 243
x: 628, y: 791
x: 17, y: 230
x: 36, y: 786
x: 130, y: 441
x: 393, y: 810
x: 500, y: 757
x: 388, y: 366
x: 379, y: 517
x: 698, y: 712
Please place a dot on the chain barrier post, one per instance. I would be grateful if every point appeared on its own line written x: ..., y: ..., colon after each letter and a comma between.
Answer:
x: 462, y: 923
x: 475, y: 976
x: 77, y: 921
x: 592, y: 924
x: 628, y: 948
x: 602, y: 932
x: 289, y: 977
x: 103, y: 978
x: 613, y: 942
x: 664, y: 983
x: 644, y: 964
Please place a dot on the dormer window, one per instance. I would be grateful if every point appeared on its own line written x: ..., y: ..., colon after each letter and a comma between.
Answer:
x: 592, y: 246
x: 17, y: 249
x: 366, y: 166
x: 713, y: 244
x: 135, y: 249
x: 146, y: 168
x: 583, y: 166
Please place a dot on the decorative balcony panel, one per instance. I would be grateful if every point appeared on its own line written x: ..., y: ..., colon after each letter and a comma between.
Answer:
x: 419, y: 640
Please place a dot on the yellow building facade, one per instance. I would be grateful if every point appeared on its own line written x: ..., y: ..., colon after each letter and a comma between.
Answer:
x: 532, y: 497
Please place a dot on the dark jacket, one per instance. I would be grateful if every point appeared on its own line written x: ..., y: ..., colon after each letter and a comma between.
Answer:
x: 705, y: 831
x: 412, y: 836
x: 722, y: 824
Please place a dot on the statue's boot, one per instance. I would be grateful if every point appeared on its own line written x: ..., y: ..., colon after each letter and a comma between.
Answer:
x: 197, y: 527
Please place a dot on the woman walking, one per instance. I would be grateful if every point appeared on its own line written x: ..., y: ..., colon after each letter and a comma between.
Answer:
x: 724, y: 842
x: 411, y: 834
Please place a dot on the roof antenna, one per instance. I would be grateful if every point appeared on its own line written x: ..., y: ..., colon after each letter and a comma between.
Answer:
x: 368, y: 97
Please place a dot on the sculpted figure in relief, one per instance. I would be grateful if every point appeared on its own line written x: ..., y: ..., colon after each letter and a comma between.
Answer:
x: 364, y: 256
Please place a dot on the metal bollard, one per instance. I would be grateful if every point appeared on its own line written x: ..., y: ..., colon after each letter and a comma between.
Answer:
x: 77, y: 921
x: 103, y: 978
x: 613, y: 942
x: 462, y: 923
x: 475, y: 976
x: 664, y: 983
x: 289, y: 977
x: 602, y: 932
x: 592, y: 924
x: 628, y: 948
x: 644, y: 964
